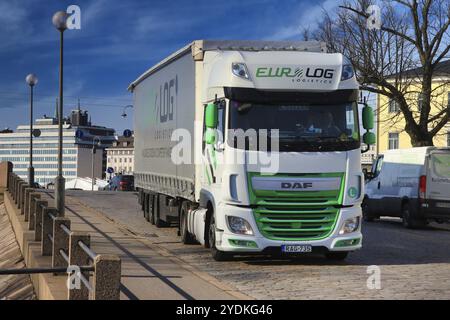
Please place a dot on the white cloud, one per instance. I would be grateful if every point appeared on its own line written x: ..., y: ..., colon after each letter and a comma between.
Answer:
x: 307, y: 17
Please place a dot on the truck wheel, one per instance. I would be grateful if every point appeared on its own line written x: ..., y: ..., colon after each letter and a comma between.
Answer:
x: 146, y: 207
x: 409, y: 221
x: 216, y: 254
x: 186, y: 236
x: 367, y: 216
x: 336, y: 256
x: 152, y: 211
x: 158, y: 222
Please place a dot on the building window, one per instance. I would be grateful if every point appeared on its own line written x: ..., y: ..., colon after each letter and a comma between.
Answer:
x: 393, y: 141
x: 448, y: 139
x: 393, y: 106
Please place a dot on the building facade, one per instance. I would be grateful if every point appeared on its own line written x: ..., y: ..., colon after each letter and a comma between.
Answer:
x: 120, y: 156
x: 390, y: 121
x: 78, y: 137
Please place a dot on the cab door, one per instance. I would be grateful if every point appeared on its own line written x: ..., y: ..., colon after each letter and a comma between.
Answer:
x: 213, y: 152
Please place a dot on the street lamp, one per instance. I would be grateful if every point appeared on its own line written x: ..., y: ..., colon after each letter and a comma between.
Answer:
x: 96, y: 138
x: 124, y: 114
x: 60, y: 22
x: 31, y: 80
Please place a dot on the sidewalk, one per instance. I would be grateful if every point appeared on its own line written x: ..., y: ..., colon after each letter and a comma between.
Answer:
x: 12, y: 287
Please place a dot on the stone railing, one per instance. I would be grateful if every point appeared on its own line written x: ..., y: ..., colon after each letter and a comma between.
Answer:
x: 90, y: 275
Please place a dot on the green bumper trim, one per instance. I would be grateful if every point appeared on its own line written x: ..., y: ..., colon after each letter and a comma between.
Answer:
x: 243, y: 243
x: 347, y: 243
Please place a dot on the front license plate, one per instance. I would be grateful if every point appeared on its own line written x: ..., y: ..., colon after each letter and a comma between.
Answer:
x: 304, y: 248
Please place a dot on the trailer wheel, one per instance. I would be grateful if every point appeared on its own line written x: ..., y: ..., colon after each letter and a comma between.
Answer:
x: 216, y: 254
x: 153, y: 209
x: 146, y: 207
x: 409, y: 221
x: 186, y: 236
x: 158, y: 222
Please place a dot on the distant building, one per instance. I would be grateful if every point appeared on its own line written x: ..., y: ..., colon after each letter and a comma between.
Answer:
x: 120, y: 156
x: 77, y: 151
x: 390, y: 121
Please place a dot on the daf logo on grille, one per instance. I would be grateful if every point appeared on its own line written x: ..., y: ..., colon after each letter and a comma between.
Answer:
x: 296, y: 185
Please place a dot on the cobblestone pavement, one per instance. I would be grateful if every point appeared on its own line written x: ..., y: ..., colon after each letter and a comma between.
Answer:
x: 414, y: 264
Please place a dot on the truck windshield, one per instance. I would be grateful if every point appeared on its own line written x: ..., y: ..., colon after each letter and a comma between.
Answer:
x: 327, y: 127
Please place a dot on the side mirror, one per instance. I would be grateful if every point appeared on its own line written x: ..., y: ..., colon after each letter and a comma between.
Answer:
x: 369, y: 138
x: 367, y: 118
x: 210, y: 136
x: 211, y: 116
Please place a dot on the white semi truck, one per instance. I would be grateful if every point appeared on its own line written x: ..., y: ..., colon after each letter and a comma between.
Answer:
x: 252, y: 147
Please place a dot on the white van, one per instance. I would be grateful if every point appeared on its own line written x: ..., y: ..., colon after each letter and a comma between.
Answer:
x: 413, y: 184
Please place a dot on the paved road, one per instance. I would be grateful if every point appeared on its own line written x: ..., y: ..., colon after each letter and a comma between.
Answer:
x: 414, y: 264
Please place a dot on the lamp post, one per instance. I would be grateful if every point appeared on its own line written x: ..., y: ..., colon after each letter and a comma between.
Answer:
x: 31, y: 80
x: 60, y: 22
x: 96, y: 138
x: 124, y: 114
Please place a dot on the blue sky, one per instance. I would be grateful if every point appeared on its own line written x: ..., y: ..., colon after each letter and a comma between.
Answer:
x: 118, y: 41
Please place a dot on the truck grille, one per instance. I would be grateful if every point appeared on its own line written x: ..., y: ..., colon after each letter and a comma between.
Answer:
x: 296, y: 223
x: 297, y: 215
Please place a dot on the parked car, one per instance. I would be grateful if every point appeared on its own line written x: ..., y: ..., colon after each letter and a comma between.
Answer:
x: 413, y: 184
x: 121, y: 183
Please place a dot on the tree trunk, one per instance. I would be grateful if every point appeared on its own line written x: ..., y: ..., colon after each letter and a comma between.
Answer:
x: 421, y: 140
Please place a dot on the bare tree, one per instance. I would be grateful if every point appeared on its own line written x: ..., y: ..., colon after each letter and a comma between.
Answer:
x: 399, y: 58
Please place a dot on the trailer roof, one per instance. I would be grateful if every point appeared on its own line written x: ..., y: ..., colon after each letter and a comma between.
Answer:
x: 197, y: 47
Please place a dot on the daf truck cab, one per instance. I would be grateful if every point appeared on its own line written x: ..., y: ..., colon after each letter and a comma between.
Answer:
x: 273, y: 160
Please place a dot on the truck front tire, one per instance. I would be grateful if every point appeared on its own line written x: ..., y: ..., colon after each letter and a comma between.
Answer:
x: 186, y: 236
x: 215, y: 253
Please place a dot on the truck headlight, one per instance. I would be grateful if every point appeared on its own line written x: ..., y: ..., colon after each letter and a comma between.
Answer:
x: 347, y: 72
x: 240, y: 69
x: 239, y: 225
x: 350, y: 225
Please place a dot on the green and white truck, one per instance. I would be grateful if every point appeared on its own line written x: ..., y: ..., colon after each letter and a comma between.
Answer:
x: 252, y: 147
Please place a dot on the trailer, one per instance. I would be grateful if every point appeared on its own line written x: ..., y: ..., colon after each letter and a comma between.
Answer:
x: 252, y: 147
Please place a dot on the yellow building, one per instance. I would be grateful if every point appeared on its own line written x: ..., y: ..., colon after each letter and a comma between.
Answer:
x: 390, y: 121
